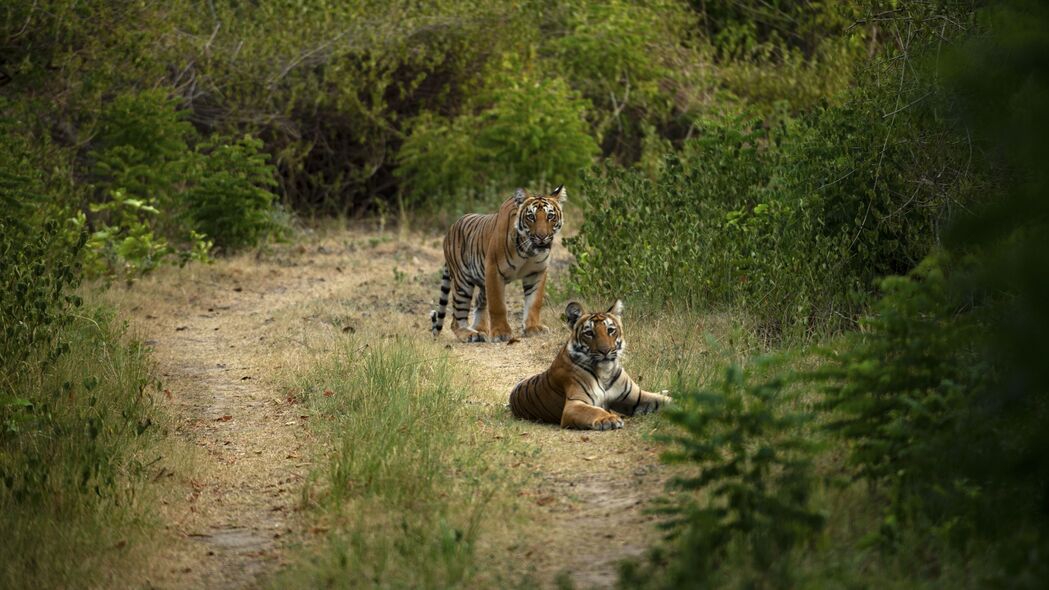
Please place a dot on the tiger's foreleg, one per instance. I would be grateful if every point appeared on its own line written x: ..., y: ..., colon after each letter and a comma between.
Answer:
x: 462, y: 293
x: 578, y: 414
x: 480, y: 319
x: 498, y: 327
x: 534, y: 288
x: 628, y: 397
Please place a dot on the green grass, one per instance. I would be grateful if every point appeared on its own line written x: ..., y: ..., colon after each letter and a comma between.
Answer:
x: 408, y: 479
x: 77, y: 439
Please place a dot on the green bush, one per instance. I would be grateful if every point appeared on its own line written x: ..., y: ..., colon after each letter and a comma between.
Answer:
x: 788, y: 55
x: 746, y: 501
x: 164, y: 195
x: 533, y: 134
x: 39, y: 256
x: 231, y: 202
x: 901, y: 394
x: 793, y: 221
x: 639, y: 66
x: 942, y: 399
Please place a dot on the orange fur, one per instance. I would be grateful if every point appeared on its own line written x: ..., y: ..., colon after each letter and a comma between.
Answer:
x: 586, y: 386
x: 487, y: 252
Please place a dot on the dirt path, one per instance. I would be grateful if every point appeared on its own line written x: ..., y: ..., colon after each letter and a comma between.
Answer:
x: 226, y: 335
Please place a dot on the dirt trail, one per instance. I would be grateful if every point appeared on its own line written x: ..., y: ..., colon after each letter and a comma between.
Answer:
x: 224, y: 336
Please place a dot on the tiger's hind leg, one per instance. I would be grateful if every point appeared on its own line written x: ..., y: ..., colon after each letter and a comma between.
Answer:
x: 462, y: 293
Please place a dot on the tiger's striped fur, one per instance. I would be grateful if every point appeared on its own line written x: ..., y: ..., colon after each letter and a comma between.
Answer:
x: 486, y: 252
x: 586, y: 379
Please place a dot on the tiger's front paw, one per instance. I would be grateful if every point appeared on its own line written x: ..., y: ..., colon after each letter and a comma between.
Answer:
x: 500, y: 334
x: 607, y: 422
x: 536, y: 330
x: 653, y: 402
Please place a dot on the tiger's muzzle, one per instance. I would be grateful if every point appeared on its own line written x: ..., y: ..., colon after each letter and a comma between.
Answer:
x: 542, y: 242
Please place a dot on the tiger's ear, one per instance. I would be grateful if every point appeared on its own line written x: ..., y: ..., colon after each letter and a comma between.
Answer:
x: 617, y: 308
x: 560, y: 193
x: 572, y: 314
x: 520, y: 195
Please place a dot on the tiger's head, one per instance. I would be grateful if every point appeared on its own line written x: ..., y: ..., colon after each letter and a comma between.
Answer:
x: 596, y: 337
x: 539, y: 217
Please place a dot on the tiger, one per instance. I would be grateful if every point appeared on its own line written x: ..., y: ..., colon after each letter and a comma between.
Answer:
x: 487, y: 252
x: 586, y: 379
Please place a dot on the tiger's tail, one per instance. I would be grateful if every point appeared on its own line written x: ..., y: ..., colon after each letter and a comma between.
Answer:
x: 437, y: 315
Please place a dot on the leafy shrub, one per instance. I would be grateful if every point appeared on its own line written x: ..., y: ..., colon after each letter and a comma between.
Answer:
x: 787, y: 55
x: 903, y: 392
x: 747, y: 498
x: 793, y: 221
x: 636, y: 64
x: 39, y: 257
x: 638, y: 232
x: 943, y: 397
x: 164, y: 196
x: 143, y: 164
x: 231, y: 202
x: 533, y: 134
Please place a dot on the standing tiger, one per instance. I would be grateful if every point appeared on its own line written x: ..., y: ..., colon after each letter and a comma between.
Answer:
x: 489, y: 251
x: 586, y: 379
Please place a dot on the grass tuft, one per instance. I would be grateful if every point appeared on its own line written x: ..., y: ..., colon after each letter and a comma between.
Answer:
x: 401, y: 499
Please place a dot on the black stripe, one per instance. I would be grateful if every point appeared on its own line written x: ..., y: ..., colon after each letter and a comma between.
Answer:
x: 541, y: 402
x: 626, y: 392
x: 636, y: 405
x: 585, y: 389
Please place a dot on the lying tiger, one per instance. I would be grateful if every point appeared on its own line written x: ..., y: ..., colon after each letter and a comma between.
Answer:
x: 487, y: 252
x: 586, y: 379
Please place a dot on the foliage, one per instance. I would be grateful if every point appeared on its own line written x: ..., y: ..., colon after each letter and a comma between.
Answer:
x: 353, y: 99
x: 73, y: 468
x: 163, y: 199
x: 943, y: 399
x: 533, y: 134
x: 939, y: 400
x: 39, y: 259
x: 636, y: 63
x: 748, y: 493
x: 231, y: 202
x: 903, y: 393
x: 792, y: 219
x: 789, y: 55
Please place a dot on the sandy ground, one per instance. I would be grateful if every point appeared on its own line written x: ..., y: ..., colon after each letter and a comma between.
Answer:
x: 225, y: 338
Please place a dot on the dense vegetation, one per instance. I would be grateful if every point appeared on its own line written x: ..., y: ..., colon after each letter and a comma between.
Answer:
x: 863, y: 183
x: 908, y: 452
